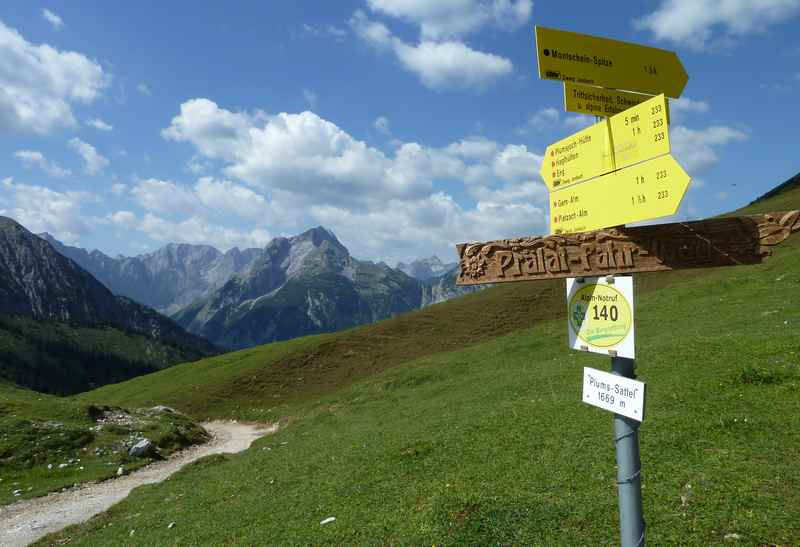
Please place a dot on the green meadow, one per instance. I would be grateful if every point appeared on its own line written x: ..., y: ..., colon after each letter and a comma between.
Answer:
x: 462, y: 424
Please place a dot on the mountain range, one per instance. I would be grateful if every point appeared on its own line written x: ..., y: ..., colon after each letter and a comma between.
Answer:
x: 300, y: 285
x: 294, y: 286
x: 168, y: 279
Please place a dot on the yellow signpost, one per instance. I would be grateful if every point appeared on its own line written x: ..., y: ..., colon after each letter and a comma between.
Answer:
x: 635, y: 135
x: 597, y: 101
x: 641, y: 192
x: 615, y: 172
x: 585, y: 59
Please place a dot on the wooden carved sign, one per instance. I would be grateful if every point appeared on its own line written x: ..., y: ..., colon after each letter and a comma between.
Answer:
x: 701, y: 244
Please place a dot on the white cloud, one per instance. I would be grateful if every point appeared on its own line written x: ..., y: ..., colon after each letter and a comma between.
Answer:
x: 579, y: 121
x: 551, y: 118
x: 696, y: 149
x: 684, y: 109
x: 226, y: 197
x: 381, y: 123
x: 123, y: 219
x: 370, y: 31
x: 305, y: 155
x: 446, y: 64
x: 209, y: 212
x: 53, y: 19
x: 97, y: 123
x: 335, y: 32
x: 451, y: 64
x: 143, y: 89
x: 41, y: 209
x: 293, y: 153
x: 702, y: 23
x: 395, y: 232
x: 164, y: 196
x: 198, y: 231
x: 39, y: 84
x: 207, y: 198
x: 303, y: 170
x: 214, y: 131
x: 197, y: 165
x: 453, y: 18
x: 685, y: 105
x: 311, y: 98
x: 34, y: 158
x: 545, y: 118
x: 119, y: 188
x: 93, y: 161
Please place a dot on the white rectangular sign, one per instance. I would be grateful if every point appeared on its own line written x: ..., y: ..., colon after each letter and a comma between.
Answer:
x: 600, y: 315
x: 617, y: 394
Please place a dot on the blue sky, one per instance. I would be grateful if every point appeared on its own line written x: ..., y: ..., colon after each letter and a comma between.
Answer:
x: 405, y: 126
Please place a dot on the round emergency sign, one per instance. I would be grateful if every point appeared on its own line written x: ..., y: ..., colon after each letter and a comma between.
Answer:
x: 600, y: 315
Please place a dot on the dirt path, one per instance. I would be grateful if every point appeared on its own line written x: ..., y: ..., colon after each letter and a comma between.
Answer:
x: 26, y: 521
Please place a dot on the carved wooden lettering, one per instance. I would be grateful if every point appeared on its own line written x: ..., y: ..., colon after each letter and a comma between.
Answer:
x: 701, y: 244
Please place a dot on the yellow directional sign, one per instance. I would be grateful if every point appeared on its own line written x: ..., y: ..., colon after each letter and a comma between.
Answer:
x: 592, y: 60
x: 596, y: 101
x: 648, y: 190
x: 637, y: 134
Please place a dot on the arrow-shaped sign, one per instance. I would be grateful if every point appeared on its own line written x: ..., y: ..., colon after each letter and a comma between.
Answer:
x: 592, y: 60
x: 648, y: 190
x: 635, y: 135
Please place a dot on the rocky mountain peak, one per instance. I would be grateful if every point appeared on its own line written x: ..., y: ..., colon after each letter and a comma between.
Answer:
x: 310, y: 253
x: 47, y: 236
x: 317, y: 236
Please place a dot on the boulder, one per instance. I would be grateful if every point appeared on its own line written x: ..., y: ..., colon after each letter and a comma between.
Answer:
x: 143, y: 449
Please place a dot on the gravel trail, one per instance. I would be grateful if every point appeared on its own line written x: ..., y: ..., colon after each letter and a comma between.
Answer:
x: 26, y: 521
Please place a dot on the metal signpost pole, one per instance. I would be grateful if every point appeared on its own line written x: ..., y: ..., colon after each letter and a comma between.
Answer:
x: 629, y: 468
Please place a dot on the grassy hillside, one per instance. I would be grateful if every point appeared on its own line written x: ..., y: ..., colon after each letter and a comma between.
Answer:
x: 782, y: 197
x: 305, y: 368
x: 462, y: 424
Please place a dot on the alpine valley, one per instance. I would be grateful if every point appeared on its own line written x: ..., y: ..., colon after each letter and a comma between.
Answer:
x: 295, y: 286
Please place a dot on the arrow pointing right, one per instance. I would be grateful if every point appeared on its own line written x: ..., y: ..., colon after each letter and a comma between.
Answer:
x: 602, y: 62
x: 644, y: 191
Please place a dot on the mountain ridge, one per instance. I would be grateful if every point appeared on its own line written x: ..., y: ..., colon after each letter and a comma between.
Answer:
x: 166, y: 279
x: 426, y: 268
x: 45, y: 296
x: 304, y: 284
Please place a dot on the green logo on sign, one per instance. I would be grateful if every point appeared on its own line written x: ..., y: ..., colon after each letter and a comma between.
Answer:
x: 578, y: 315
